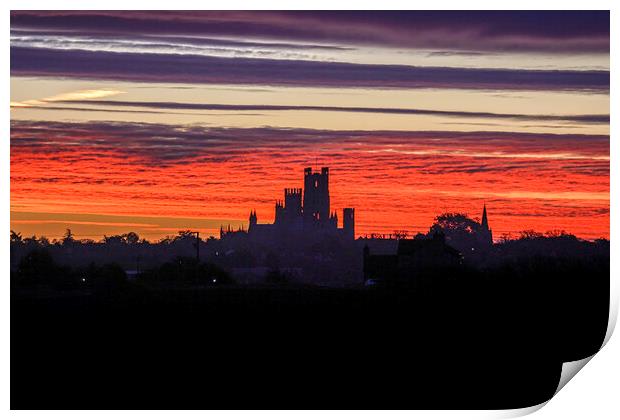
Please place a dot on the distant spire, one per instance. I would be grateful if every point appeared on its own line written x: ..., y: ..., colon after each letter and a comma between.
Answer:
x: 485, y: 221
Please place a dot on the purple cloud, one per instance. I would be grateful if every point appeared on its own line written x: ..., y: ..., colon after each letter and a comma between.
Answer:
x: 173, y: 68
x: 550, y: 31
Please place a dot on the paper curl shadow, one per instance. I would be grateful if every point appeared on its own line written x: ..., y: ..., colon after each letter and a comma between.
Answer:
x: 570, y: 369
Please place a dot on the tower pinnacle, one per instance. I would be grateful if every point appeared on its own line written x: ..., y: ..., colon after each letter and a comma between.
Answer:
x: 485, y: 221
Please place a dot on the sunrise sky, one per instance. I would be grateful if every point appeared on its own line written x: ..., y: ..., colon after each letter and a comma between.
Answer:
x: 154, y: 122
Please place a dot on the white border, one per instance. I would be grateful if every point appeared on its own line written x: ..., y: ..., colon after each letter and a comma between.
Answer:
x: 593, y: 394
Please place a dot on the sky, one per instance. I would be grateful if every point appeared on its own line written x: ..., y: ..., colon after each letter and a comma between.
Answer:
x: 154, y: 122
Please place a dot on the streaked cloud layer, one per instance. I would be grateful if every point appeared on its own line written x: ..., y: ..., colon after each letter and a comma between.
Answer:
x: 173, y: 68
x: 555, y: 31
x: 219, y: 173
x: 158, y: 121
x: 590, y: 119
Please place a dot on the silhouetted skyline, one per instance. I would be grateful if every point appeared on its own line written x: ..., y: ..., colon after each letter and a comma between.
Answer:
x: 300, y: 218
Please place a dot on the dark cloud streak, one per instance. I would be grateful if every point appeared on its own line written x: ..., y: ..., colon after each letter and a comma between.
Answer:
x: 588, y: 119
x: 130, y: 111
x: 171, y: 68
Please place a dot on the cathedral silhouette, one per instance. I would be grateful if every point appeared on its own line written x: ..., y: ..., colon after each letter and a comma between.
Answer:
x: 304, y: 213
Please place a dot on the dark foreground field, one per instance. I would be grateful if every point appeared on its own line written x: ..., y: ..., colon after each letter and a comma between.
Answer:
x: 301, y: 347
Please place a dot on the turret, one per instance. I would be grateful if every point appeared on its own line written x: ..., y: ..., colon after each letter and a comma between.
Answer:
x: 279, y: 212
x: 253, y: 220
x: 348, y: 223
x: 292, y: 201
x: 333, y: 220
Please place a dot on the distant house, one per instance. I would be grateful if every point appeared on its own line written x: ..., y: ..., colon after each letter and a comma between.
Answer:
x: 412, y: 256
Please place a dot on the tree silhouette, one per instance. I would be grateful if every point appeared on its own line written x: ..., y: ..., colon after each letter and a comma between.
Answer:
x: 455, y: 223
x: 400, y: 234
x: 38, y: 268
x: 506, y: 237
x: 558, y: 233
x: 530, y: 234
x: 113, y: 240
x: 131, y: 238
x: 185, y: 235
x: 68, y: 239
x: 16, y: 237
x: 460, y: 231
x: 31, y: 241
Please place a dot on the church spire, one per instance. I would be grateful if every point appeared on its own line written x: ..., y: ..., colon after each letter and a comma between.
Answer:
x: 485, y: 221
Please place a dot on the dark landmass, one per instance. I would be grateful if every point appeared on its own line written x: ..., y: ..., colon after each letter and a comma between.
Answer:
x: 487, y: 333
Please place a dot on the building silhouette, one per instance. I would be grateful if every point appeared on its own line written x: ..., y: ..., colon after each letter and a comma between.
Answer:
x: 303, y: 214
x: 412, y: 255
x: 426, y: 252
x: 485, y: 232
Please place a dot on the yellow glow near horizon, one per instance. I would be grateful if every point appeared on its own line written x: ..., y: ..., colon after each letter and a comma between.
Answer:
x: 80, y: 95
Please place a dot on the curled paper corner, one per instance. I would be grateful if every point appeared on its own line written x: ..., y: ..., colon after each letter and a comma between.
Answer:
x: 569, y: 370
x: 520, y: 412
